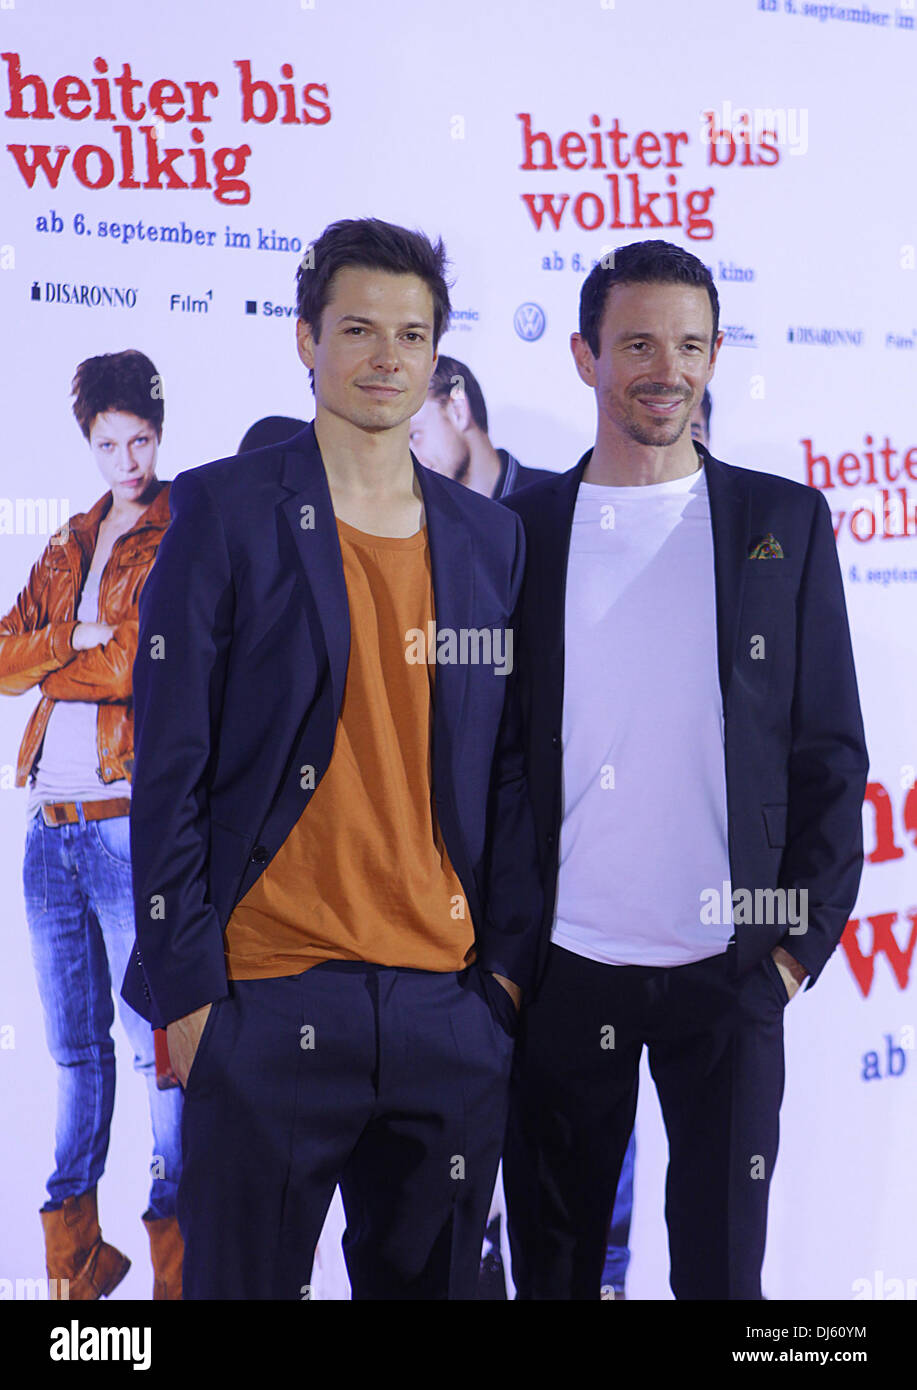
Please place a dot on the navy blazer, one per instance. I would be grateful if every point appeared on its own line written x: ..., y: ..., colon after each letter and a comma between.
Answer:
x: 238, y: 683
x: 795, y: 752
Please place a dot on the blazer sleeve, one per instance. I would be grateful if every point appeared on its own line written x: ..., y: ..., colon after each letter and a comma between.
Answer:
x: 185, y: 630
x: 828, y: 762
x: 514, y: 900
x: 31, y: 647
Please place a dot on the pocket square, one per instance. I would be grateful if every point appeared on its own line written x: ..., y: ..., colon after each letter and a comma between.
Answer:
x: 767, y: 549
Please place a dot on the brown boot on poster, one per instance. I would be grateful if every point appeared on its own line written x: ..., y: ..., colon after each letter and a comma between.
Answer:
x: 81, y: 1266
x: 167, y: 1252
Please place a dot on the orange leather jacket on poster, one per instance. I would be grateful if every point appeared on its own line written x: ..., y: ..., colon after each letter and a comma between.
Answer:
x: 35, y: 635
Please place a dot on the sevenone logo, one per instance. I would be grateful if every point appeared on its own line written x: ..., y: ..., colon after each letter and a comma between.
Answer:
x: 464, y: 646
x: 529, y: 322
x: 271, y: 310
x: 825, y: 337
x: 89, y: 296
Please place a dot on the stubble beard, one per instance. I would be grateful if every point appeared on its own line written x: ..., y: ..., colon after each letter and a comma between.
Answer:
x: 658, y: 436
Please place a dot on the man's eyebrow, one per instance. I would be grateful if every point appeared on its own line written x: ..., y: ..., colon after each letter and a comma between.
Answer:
x: 685, y: 337
x: 359, y: 318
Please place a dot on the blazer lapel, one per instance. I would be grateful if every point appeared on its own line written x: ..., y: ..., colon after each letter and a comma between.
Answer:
x: 729, y: 519
x: 310, y: 515
x: 452, y: 567
x: 553, y: 555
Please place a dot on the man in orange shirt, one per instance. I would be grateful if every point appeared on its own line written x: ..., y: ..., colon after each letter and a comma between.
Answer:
x: 335, y: 871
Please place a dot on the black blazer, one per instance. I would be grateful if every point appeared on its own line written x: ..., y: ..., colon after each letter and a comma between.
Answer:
x: 795, y: 753
x: 238, y: 683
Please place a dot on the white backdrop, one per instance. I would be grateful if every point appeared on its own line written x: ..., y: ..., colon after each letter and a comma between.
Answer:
x: 418, y: 114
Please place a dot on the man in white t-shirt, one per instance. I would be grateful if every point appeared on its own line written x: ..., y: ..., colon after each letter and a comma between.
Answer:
x: 697, y: 766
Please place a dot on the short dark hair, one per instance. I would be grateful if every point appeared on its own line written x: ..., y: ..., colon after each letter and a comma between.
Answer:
x: 376, y: 245
x: 442, y: 384
x: 641, y: 263
x: 125, y: 381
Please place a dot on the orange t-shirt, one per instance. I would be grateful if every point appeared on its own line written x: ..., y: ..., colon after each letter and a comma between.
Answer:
x: 364, y: 873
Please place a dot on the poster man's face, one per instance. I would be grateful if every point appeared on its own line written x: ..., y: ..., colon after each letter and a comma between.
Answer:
x: 125, y: 447
x: 375, y: 356
x: 654, y: 360
x: 438, y: 442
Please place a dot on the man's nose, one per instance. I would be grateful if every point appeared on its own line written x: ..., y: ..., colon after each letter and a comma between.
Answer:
x: 667, y: 367
x: 385, y: 355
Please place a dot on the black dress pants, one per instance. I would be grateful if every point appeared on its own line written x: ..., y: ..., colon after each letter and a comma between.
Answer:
x: 393, y: 1083
x: 716, y: 1056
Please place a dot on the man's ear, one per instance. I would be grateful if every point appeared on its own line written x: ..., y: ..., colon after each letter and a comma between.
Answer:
x: 713, y: 356
x: 458, y: 409
x: 582, y: 356
x: 305, y: 343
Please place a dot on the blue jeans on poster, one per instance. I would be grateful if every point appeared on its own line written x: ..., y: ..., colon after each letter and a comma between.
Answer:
x: 79, y: 905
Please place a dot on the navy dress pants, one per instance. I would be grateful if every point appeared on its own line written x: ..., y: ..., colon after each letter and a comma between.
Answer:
x: 390, y: 1082
x: 716, y: 1055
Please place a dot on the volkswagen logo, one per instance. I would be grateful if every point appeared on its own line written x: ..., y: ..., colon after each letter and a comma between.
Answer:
x: 529, y: 322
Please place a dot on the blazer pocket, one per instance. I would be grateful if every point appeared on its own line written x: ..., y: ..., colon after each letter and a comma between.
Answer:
x: 768, y: 571
x: 775, y: 824
x: 772, y: 969
x: 203, y: 1044
x: 500, y: 1003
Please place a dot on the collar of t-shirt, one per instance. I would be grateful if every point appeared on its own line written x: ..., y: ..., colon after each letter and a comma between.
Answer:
x: 692, y: 482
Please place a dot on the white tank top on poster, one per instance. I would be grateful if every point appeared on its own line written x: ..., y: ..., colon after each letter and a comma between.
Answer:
x: 69, y: 755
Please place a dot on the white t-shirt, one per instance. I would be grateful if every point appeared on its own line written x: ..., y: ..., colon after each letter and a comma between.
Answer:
x: 644, y: 829
x: 67, y: 766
